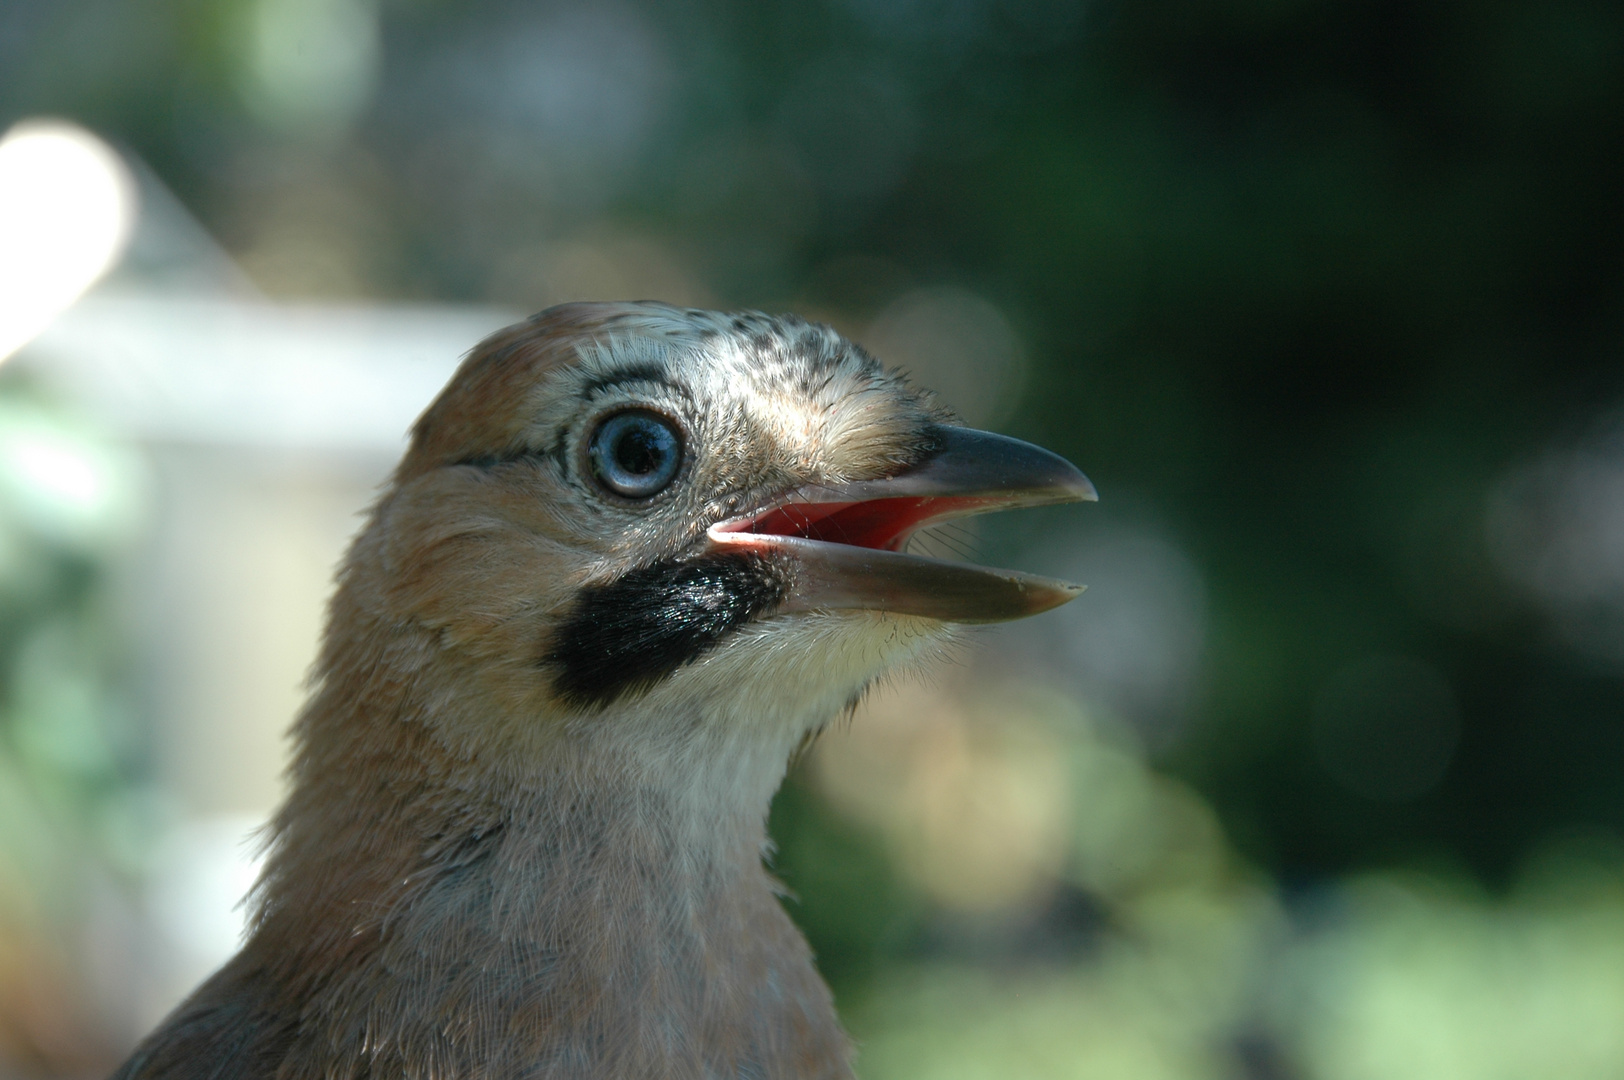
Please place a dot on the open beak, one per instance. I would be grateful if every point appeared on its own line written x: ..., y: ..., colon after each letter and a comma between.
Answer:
x: 842, y: 545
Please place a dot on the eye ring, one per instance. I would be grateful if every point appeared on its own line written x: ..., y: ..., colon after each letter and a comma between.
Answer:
x: 635, y: 453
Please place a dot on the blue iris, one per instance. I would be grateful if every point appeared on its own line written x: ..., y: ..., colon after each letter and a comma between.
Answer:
x: 636, y: 453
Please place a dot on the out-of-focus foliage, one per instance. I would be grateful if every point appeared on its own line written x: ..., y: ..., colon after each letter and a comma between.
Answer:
x: 70, y: 817
x: 1075, y: 914
x: 1327, y: 296
x: 1414, y: 977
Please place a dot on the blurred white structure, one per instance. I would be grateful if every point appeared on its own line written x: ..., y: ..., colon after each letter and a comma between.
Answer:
x: 267, y: 428
x: 67, y: 204
x: 221, y: 371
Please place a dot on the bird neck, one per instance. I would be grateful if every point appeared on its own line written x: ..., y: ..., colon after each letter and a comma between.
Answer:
x: 612, y: 891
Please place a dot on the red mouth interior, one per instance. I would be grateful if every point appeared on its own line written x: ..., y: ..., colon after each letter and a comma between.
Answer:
x: 884, y: 524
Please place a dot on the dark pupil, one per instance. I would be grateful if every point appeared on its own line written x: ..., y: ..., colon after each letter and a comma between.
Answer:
x: 639, y: 451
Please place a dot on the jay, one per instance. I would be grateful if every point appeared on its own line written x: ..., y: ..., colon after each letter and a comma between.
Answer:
x: 634, y: 557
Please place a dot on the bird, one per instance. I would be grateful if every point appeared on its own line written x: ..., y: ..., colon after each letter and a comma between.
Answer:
x: 634, y: 557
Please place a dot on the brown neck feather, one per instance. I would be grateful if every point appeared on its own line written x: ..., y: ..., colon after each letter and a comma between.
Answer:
x: 422, y: 916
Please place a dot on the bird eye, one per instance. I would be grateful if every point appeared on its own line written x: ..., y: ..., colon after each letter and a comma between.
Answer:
x: 636, y: 453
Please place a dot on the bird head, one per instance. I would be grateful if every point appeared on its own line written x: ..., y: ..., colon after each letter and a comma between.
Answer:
x: 640, y: 526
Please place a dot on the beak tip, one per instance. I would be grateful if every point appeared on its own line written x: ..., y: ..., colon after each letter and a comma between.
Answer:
x: 1066, y: 592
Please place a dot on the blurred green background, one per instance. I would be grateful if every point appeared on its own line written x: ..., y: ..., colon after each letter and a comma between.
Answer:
x: 1323, y: 777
